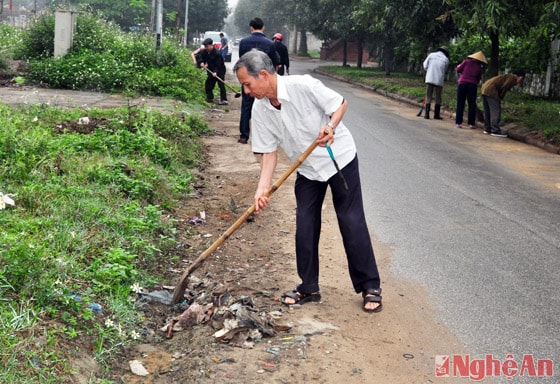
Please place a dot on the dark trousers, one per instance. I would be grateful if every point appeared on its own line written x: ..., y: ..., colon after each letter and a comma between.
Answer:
x: 492, y: 114
x: 209, y: 87
x: 466, y: 91
x: 351, y: 222
x: 430, y: 91
x: 244, y: 122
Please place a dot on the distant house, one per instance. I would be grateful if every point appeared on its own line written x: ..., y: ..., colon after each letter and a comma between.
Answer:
x: 334, y: 50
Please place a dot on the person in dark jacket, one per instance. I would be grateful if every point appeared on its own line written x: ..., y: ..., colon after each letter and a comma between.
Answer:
x: 259, y: 41
x: 282, y: 50
x: 213, y: 63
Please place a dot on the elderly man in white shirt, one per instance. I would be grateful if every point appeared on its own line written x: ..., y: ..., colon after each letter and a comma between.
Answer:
x: 292, y: 112
x: 435, y: 66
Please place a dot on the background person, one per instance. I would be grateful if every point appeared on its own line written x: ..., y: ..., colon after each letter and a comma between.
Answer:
x: 259, y: 41
x: 435, y: 66
x: 470, y: 71
x: 292, y: 112
x: 493, y: 92
x: 282, y: 50
x: 211, y: 60
x: 224, y: 48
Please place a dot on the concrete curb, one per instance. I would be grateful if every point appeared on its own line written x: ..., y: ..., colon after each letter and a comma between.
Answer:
x: 515, y: 132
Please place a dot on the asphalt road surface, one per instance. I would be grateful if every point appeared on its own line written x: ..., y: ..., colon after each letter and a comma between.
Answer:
x: 473, y: 218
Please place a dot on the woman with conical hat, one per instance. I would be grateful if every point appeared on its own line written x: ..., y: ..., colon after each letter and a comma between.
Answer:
x: 470, y: 73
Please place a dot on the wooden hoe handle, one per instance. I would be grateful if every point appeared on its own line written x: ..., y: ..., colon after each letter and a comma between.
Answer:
x: 182, y: 285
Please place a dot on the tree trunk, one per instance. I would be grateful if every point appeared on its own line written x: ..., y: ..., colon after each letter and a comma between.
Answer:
x: 494, y: 67
x: 178, y: 18
x: 360, y: 53
x: 388, y: 56
x: 1, y: 11
x: 344, y: 53
x: 153, y: 17
x: 302, y: 51
x: 294, y: 48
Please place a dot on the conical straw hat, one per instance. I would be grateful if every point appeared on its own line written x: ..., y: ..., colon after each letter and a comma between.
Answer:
x: 479, y: 56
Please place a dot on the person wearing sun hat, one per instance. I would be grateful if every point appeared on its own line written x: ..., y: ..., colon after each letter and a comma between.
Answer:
x: 435, y: 66
x: 470, y: 72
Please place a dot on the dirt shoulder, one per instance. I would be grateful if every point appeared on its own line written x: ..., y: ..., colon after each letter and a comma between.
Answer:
x: 328, y: 342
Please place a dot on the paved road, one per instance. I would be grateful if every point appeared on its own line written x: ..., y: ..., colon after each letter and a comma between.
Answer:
x: 473, y: 218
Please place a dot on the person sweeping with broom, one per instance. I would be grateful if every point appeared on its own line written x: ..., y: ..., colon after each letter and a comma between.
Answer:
x: 292, y: 112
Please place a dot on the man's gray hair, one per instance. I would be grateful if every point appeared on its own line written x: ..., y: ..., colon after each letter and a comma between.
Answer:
x: 255, y: 61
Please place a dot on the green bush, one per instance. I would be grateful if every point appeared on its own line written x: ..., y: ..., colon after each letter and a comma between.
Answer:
x: 90, y: 217
x: 103, y: 58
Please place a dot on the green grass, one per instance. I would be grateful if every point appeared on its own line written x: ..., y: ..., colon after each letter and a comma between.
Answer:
x: 90, y: 220
x: 536, y: 113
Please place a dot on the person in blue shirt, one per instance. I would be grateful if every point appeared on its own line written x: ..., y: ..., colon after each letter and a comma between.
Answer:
x: 257, y: 40
x: 224, y: 48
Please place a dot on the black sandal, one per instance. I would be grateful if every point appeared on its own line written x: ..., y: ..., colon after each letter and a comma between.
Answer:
x: 300, y: 297
x: 372, y: 295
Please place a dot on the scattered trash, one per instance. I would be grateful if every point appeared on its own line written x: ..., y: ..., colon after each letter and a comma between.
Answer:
x: 408, y: 356
x: 163, y: 296
x: 95, y: 308
x: 269, y: 366
x: 356, y: 371
x: 138, y: 368
x: 83, y: 120
x: 193, y: 315
x: 195, y: 220
x: 169, y: 332
x: 274, y: 350
x: 223, y: 360
x: 6, y: 200
x: 233, y: 205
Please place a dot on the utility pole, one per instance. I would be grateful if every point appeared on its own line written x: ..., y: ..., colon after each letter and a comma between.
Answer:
x: 186, y: 22
x: 159, y: 22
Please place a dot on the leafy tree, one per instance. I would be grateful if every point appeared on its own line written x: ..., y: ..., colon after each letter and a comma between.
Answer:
x: 404, y: 30
x: 128, y: 14
x: 496, y: 19
x: 204, y: 15
x: 245, y: 11
x: 330, y: 22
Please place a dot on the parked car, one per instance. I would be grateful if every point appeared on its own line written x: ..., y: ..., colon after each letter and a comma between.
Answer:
x: 215, y: 36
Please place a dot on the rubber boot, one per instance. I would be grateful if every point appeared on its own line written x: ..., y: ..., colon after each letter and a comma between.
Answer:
x: 436, y: 112
x: 427, y: 114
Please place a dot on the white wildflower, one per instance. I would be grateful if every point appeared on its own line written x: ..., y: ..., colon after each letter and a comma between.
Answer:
x: 109, y: 323
x: 136, y: 288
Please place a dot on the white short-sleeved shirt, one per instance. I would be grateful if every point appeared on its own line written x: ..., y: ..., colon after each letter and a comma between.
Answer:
x: 306, y: 106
